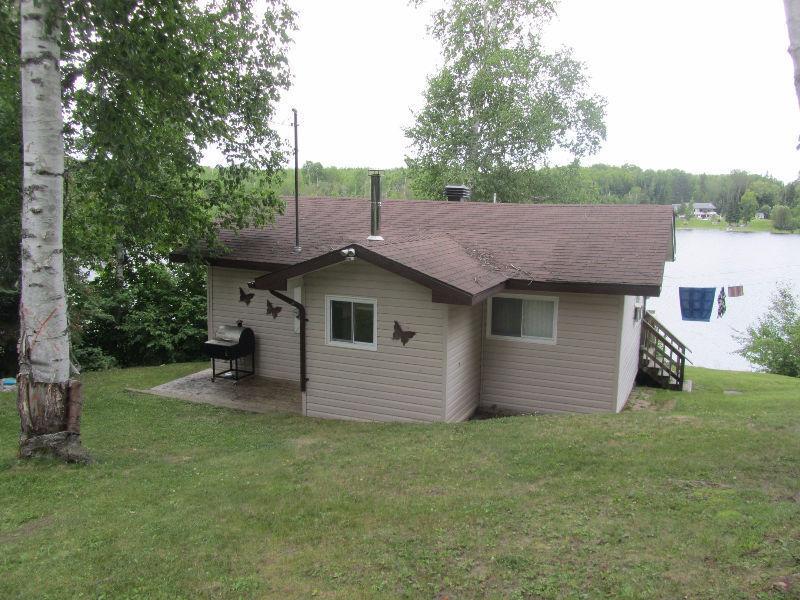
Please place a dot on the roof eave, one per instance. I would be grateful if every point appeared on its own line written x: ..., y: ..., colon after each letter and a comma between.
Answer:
x: 181, y: 256
x: 624, y: 289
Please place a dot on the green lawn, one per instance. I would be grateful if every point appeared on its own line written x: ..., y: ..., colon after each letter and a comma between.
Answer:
x: 754, y: 225
x: 698, y: 497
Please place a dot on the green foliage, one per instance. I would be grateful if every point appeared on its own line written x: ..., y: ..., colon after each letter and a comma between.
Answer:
x: 773, y: 343
x: 500, y: 102
x: 566, y: 184
x: 9, y: 300
x: 767, y: 191
x: 10, y: 184
x: 748, y: 206
x: 157, y: 314
x: 335, y: 182
x: 10, y: 144
x: 148, y: 86
x: 782, y: 218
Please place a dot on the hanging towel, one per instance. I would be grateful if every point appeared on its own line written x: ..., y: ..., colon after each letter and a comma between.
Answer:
x: 721, y: 308
x: 696, y: 303
x: 734, y: 291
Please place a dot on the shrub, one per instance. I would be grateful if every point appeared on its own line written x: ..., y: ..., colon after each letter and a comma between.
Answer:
x: 773, y: 343
x: 9, y: 331
x: 782, y: 217
x: 92, y: 358
x: 156, y: 314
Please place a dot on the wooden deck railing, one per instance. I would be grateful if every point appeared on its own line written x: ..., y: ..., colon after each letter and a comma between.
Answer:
x: 663, y: 355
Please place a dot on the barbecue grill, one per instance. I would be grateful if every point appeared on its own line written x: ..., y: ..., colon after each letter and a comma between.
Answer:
x: 233, y: 344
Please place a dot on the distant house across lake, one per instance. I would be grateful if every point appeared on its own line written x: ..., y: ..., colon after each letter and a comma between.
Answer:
x: 701, y: 210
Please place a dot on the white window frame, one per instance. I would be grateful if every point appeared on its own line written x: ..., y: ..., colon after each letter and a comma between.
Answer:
x: 523, y: 338
x: 359, y: 345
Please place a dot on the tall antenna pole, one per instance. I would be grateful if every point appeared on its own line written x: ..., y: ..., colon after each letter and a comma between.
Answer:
x: 297, y: 247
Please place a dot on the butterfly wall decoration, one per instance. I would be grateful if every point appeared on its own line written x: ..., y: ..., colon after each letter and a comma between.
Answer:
x: 273, y: 310
x: 245, y: 297
x: 403, y: 336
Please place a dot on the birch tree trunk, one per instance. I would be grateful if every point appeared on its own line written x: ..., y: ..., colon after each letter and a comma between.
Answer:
x: 49, y: 402
x: 793, y: 24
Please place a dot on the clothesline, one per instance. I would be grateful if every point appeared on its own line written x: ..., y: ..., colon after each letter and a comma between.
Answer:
x: 771, y: 282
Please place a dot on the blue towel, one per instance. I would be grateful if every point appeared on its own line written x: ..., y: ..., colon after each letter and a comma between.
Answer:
x: 696, y: 303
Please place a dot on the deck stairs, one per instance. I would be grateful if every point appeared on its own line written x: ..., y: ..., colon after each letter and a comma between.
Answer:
x: 662, y: 356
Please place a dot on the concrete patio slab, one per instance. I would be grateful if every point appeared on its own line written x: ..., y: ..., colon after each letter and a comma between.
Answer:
x: 252, y: 394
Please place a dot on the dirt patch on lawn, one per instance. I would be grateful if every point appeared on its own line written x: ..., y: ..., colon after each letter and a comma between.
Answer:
x: 177, y: 459
x: 26, y: 529
x: 305, y: 441
x: 643, y: 398
x: 681, y: 418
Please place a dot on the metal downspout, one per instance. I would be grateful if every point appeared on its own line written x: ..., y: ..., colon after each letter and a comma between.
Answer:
x: 301, y: 314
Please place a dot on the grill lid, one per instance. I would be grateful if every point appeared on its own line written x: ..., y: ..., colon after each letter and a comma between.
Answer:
x: 228, y: 334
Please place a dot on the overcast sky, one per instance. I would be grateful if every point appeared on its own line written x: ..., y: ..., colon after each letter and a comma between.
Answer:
x: 701, y: 85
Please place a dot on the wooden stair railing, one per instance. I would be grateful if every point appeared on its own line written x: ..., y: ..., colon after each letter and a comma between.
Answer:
x: 662, y: 357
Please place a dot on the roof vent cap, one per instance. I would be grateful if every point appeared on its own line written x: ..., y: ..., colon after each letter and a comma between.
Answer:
x: 457, y: 193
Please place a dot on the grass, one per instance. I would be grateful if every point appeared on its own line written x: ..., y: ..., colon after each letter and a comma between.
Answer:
x: 698, y: 496
x: 721, y: 225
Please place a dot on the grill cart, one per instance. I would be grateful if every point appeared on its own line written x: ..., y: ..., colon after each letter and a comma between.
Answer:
x: 232, y: 344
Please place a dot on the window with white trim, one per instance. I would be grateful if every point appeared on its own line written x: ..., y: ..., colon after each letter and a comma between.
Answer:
x: 351, y: 322
x: 525, y: 319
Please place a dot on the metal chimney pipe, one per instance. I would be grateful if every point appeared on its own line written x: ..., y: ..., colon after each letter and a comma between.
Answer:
x: 375, y: 206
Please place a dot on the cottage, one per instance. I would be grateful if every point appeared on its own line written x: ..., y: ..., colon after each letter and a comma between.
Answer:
x: 700, y: 210
x: 424, y: 310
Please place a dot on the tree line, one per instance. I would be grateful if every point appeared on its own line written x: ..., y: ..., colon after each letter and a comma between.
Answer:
x: 735, y: 194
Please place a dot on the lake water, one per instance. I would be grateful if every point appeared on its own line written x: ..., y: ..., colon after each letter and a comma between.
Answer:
x: 757, y: 261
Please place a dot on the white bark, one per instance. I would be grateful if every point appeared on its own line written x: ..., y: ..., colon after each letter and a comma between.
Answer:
x: 44, y: 339
x: 793, y: 24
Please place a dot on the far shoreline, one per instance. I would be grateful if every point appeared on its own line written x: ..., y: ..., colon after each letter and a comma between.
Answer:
x: 755, y: 226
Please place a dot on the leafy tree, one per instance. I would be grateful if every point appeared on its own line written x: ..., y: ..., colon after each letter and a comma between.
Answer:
x: 767, y: 191
x: 773, y: 343
x: 312, y: 172
x: 10, y: 184
x: 636, y: 195
x: 782, y: 217
x: 155, y: 84
x: 158, y: 315
x: 748, y: 206
x: 501, y: 100
x: 791, y: 194
x: 688, y: 210
x: 146, y: 87
x: 10, y: 144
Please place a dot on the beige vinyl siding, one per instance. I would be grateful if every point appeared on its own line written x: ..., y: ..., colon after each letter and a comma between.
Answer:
x: 578, y: 373
x: 630, y: 334
x: 393, y: 382
x: 463, y: 373
x: 277, y: 345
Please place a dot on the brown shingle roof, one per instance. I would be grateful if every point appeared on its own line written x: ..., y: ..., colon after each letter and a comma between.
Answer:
x: 474, y: 246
